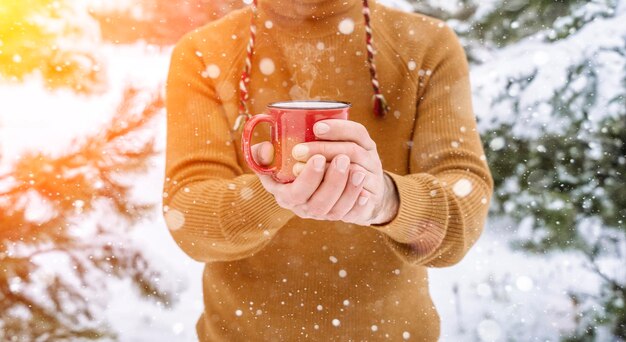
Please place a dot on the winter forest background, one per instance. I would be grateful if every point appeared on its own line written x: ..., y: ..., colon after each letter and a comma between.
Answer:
x: 84, y: 251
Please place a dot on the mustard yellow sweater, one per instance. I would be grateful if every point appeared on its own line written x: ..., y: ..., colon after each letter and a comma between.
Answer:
x: 271, y: 275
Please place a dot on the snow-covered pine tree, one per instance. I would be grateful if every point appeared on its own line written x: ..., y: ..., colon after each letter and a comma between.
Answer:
x: 56, y: 250
x: 55, y: 253
x: 549, y: 80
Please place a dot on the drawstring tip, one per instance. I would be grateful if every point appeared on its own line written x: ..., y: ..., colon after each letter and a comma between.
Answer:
x: 239, y: 122
x: 380, y: 105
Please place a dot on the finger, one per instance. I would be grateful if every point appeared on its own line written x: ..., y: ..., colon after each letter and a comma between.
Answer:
x: 344, y: 130
x: 333, y: 185
x: 349, y: 197
x: 362, y: 208
x: 331, y: 149
x: 370, y: 180
x: 263, y: 153
x: 297, y: 168
x: 268, y: 183
x: 300, y: 190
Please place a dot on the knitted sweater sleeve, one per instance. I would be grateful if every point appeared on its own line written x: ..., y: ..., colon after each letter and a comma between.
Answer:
x: 213, y: 210
x: 445, y: 196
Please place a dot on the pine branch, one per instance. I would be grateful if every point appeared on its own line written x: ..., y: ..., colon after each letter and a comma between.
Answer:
x: 596, y: 269
x: 72, y: 184
x: 463, y: 14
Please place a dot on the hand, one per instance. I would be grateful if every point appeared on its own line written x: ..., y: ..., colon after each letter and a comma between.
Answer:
x: 336, y: 198
x: 352, y: 139
x: 312, y: 194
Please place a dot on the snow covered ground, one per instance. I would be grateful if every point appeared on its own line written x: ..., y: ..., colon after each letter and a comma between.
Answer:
x: 494, y: 294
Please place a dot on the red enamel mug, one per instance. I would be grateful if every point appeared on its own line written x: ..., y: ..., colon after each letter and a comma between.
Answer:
x: 291, y: 123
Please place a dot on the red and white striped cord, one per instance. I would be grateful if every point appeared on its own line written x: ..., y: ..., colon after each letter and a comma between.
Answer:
x: 378, y: 100
x: 244, y: 112
x: 380, y: 105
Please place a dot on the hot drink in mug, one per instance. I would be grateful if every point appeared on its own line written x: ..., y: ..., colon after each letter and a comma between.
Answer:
x: 291, y: 123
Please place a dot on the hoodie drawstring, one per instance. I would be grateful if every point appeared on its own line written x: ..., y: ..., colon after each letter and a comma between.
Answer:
x: 379, y: 103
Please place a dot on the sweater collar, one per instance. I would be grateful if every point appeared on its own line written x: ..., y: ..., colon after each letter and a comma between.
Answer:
x: 309, y: 17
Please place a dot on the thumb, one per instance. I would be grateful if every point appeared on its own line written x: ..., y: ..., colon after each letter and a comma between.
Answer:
x: 263, y: 153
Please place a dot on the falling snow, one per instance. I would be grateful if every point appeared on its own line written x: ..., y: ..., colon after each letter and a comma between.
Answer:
x: 174, y: 219
x: 485, y: 329
x: 336, y: 322
x: 346, y: 26
x: 462, y: 187
x: 496, y: 144
x: 343, y: 273
x: 524, y: 283
x: 246, y: 193
x: 267, y: 66
x: 178, y: 328
x: 211, y: 71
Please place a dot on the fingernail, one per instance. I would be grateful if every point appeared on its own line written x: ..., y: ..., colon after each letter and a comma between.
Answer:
x: 297, y: 169
x: 267, y: 148
x: 357, y: 178
x: 319, y: 162
x: 300, y: 151
x: 342, y: 163
x: 363, y: 200
x: 321, y: 128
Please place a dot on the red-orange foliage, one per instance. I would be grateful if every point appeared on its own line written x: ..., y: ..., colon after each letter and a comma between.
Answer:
x: 162, y: 22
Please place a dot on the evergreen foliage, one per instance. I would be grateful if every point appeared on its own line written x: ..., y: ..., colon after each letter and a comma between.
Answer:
x: 90, y: 181
x: 52, y: 38
x: 550, y: 83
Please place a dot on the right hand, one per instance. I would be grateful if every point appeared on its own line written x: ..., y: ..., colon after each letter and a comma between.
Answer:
x: 307, y: 196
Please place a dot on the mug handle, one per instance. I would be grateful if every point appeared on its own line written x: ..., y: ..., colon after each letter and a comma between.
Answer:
x: 246, y: 138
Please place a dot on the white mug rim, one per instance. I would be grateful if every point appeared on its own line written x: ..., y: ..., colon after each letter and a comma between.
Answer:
x: 309, y: 104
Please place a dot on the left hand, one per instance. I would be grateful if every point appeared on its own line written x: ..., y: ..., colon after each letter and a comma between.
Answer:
x: 352, y: 139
